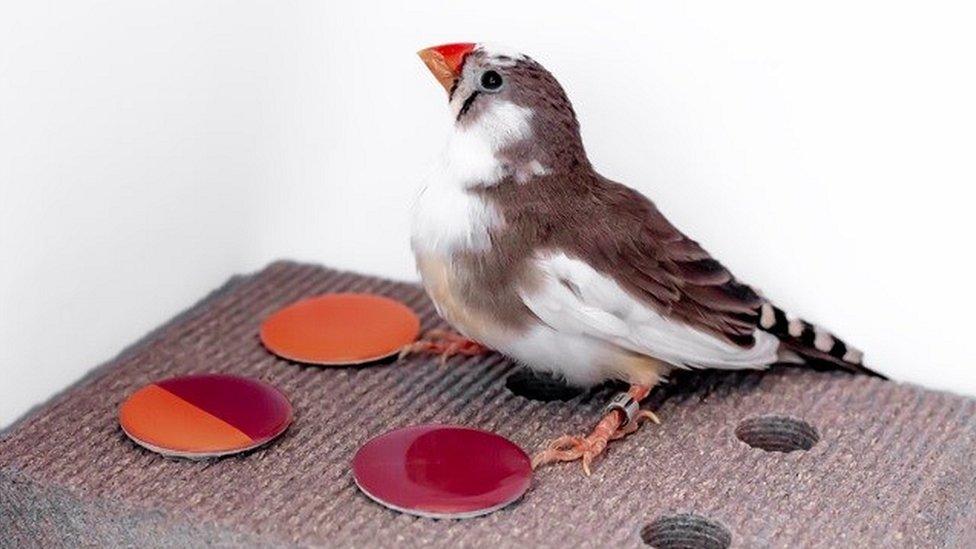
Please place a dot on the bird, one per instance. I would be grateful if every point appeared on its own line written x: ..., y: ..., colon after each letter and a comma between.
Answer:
x: 526, y: 250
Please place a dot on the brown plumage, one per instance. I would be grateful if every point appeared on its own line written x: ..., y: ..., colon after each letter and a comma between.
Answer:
x: 527, y: 249
x: 619, y: 231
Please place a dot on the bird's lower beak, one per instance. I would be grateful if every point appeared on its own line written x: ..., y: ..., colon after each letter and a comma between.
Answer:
x: 445, y: 61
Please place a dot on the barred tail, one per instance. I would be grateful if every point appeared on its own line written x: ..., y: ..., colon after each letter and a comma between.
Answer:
x: 812, y: 343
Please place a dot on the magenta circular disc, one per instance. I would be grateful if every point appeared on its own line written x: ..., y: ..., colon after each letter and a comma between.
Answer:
x: 442, y: 471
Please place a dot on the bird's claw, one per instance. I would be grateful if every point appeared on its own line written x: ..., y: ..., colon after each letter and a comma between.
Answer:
x: 445, y: 344
x: 632, y: 426
x: 567, y: 448
x: 586, y: 449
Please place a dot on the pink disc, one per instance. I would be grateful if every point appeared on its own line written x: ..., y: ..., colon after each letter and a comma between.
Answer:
x: 442, y: 471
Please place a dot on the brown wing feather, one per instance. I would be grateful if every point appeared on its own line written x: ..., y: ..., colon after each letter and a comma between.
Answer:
x: 645, y: 253
x: 620, y: 232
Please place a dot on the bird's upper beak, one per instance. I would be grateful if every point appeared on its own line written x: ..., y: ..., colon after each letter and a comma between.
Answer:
x: 445, y: 61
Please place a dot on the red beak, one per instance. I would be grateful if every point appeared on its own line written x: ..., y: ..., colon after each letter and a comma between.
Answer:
x: 445, y: 61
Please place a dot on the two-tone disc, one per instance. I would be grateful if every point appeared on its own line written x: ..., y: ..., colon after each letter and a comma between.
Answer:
x: 205, y: 416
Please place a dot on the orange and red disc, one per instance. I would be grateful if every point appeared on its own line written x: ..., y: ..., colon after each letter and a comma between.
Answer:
x: 340, y: 329
x: 205, y: 416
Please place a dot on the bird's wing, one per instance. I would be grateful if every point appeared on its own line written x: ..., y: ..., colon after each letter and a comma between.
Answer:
x: 573, y: 297
x: 628, y: 276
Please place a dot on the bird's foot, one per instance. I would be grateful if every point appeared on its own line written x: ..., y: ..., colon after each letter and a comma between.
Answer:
x: 445, y: 344
x: 611, y: 427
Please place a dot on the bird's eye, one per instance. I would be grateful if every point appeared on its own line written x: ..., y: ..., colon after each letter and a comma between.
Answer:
x: 491, y: 80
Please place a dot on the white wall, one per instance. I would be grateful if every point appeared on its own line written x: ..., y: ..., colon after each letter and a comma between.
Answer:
x: 148, y: 150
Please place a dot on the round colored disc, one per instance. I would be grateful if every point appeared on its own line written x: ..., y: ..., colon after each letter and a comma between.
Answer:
x: 340, y: 329
x: 205, y: 415
x: 442, y: 471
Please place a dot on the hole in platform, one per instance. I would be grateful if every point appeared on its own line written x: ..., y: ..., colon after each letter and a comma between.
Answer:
x: 777, y: 433
x: 686, y: 531
x: 540, y: 386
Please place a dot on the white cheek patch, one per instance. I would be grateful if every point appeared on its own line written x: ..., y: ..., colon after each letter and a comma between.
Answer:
x: 447, y: 216
x: 470, y: 157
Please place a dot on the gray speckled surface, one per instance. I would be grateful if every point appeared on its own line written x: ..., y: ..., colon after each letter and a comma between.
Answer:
x: 895, y: 464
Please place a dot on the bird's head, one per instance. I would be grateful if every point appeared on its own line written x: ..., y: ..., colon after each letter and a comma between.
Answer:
x: 511, y: 101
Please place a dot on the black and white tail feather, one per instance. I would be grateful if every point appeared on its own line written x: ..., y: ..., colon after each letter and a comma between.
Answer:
x: 810, y: 343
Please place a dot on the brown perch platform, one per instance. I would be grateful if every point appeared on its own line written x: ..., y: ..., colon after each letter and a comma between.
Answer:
x: 875, y: 463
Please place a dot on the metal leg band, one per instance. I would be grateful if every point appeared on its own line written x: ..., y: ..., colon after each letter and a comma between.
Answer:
x: 626, y: 404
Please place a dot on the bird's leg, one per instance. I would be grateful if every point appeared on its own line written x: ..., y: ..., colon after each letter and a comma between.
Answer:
x: 445, y: 344
x: 623, y: 418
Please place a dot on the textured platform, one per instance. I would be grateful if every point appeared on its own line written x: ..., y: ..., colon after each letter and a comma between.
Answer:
x: 887, y: 464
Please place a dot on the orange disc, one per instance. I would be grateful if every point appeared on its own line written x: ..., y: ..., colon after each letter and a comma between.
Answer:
x: 340, y: 329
